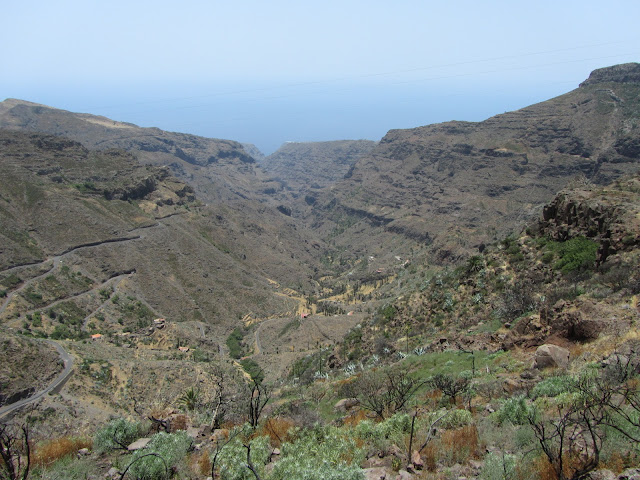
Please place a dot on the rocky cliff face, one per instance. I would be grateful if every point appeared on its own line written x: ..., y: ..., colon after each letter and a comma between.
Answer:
x: 625, y: 73
x: 610, y: 216
x: 458, y: 185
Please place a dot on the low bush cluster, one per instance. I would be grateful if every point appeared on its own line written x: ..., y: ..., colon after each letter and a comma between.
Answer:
x: 116, y: 435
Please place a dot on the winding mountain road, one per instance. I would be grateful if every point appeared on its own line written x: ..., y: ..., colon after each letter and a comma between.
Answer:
x: 58, y: 382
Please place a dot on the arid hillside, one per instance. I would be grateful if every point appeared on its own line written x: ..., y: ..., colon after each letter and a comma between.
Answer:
x: 80, y: 227
x: 305, y: 166
x: 458, y: 185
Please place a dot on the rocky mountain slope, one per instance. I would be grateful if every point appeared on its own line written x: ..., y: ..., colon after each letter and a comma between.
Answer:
x: 457, y: 185
x: 220, y: 170
x: 94, y: 241
x: 79, y: 228
x: 303, y: 166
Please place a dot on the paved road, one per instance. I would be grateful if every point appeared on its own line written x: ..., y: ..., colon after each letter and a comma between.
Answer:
x: 57, y: 382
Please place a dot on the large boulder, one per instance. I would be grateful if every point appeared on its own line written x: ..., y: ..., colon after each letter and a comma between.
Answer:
x: 138, y: 444
x: 550, y: 355
x: 345, y: 404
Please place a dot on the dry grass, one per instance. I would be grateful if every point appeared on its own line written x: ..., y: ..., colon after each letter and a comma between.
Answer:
x: 543, y: 469
x: 430, y: 458
x: 277, y: 429
x: 53, y: 450
x: 432, y: 398
x: 616, y: 463
x: 462, y: 443
x: 356, y: 418
x: 455, y: 446
x: 202, y: 463
x: 179, y: 422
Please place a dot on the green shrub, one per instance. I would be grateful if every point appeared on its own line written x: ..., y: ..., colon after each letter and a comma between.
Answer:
x: 67, y: 468
x: 388, y: 312
x: 232, y: 460
x: 253, y: 369
x: 295, y: 323
x: 578, y: 253
x: 10, y: 281
x: 547, y: 257
x: 552, y: 387
x: 234, y: 343
x: 116, y: 434
x: 382, y: 434
x: 170, y: 447
x: 500, y: 467
x: 200, y: 355
x: 514, y: 410
x: 456, y: 419
x: 320, y: 453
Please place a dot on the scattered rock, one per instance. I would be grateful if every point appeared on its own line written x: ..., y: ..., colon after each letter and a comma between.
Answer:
x: 530, y: 375
x: 511, y: 385
x: 83, y: 452
x: 602, y: 475
x: 334, y: 362
x: 630, y: 474
x: 375, y: 473
x: 575, y: 320
x: 219, y: 435
x: 138, y: 444
x: 549, y: 355
x: 395, y: 451
x: 112, y: 473
x: 417, y: 461
x: 377, y: 461
x: 404, y: 475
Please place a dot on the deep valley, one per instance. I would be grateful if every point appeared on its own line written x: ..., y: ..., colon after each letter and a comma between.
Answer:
x: 457, y: 300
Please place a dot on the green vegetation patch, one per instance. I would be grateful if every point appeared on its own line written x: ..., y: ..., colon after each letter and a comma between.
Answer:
x: 234, y: 343
x: 86, y: 187
x: 253, y: 369
x: 576, y: 254
x: 116, y: 434
x: 293, y: 324
x: 10, y: 281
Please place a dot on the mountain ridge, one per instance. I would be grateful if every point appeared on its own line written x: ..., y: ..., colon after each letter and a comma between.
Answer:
x: 458, y: 185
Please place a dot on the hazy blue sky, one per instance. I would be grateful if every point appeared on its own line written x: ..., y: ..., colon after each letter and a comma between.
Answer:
x: 270, y: 71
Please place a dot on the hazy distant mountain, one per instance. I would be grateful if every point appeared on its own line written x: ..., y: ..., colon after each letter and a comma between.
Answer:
x: 306, y: 165
x: 252, y: 150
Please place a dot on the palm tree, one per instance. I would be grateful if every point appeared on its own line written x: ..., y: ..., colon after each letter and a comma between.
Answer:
x: 190, y: 399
